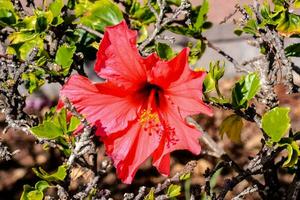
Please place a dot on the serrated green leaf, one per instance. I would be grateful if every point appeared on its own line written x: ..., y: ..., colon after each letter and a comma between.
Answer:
x: 276, y: 123
x: 164, y: 51
x: 293, y: 50
x: 64, y: 57
x: 232, y: 126
x: 245, y: 90
x: 173, y: 190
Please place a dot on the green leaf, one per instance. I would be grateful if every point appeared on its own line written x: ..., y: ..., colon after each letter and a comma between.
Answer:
x: 276, y: 122
x: 74, y: 123
x: 185, y: 176
x: 293, y: 50
x: 64, y: 57
x: 292, y: 150
x: 213, y: 179
x: 47, y: 130
x: 164, y: 51
x: 34, y: 193
x: 34, y: 80
x: 55, y: 7
x: 143, y: 34
x: 7, y: 13
x: 288, y: 24
x: 59, y: 175
x: 181, y: 30
x: 41, y: 185
x: 53, y: 127
x: 173, y: 190
x: 150, y: 195
x: 245, y: 90
x: 216, y: 72
x: 201, y: 15
x: 232, y: 126
x: 297, y: 3
x: 98, y: 14
x: 196, y: 51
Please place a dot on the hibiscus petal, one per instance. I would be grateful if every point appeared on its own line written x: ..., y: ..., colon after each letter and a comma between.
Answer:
x: 166, y: 72
x: 106, y: 102
x: 130, y: 148
x: 188, y: 96
x: 177, y: 136
x: 118, y: 58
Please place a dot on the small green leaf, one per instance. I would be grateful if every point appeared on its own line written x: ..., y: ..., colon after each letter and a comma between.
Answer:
x: 297, y: 3
x: 288, y: 24
x: 216, y: 72
x: 196, y: 51
x: 35, y: 195
x: 34, y: 80
x: 213, y: 179
x: 7, y: 13
x: 41, y: 185
x: 245, y: 90
x: 143, y: 34
x: 276, y: 122
x: 173, y: 190
x: 293, y: 50
x: 47, y: 130
x: 292, y: 150
x: 150, y: 195
x: 55, y: 7
x: 185, y: 176
x: 98, y: 14
x: 74, y: 123
x: 201, y: 15
x: 59, y: 175
x: 232, y: 126
x: 164, y: 51
x: 64, y: 57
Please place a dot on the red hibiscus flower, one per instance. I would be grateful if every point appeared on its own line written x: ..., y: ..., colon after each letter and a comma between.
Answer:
x: 140, y: 109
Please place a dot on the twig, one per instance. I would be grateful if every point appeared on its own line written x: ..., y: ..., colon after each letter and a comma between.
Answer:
x: 248, y: 190
x: 160, y: 21
x: 238, y: 67
x: 206, y: 139
x: 89, y: 30
x: 5, y: 154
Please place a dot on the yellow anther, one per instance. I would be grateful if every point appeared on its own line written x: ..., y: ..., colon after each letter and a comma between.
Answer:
x: 148, y: 116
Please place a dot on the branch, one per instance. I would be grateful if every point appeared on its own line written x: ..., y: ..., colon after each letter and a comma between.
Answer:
x: 160, y: 21
x: 89, y: 30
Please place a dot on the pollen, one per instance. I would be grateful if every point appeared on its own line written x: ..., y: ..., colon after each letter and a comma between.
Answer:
x: 150, y: 122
